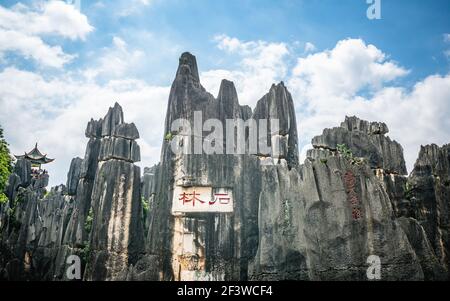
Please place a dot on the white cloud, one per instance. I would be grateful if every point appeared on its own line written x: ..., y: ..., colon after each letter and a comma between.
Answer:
x: 46, y: 18
x: 328, y: 85
x: 447, y: 37
x: 343, y: 71
x: 130, y: 7
x: 55, y: 113
x: 114, y: 62
x: 33, y: 47
x: 262, y: 63
x: 309, y: 47
x: 22, y: 29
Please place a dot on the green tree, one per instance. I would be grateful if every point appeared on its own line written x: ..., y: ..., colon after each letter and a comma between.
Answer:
x: 5, y: 166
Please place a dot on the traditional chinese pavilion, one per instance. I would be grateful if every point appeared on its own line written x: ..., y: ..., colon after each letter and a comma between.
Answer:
x: 36, y: 158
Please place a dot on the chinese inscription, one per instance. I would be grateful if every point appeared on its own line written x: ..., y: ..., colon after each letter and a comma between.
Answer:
x: 350, y: 184
x: 202, y: 199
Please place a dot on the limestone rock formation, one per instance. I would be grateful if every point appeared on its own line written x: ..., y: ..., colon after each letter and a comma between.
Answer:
x: 117, y: 236
x: 366, y: 140
x: 218, y: 252
x: 226, y: 214
x: 428, y: 191
x: 278, y: 104
x: 74, y: 175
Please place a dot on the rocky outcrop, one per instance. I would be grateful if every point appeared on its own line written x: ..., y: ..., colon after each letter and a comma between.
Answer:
x: 323, y: 221
x: 366, y: 140
x: 148, y: 191
x: 74, y: 175
x: 278, y: 105
x: 98, y: 217
x: 221, y: 243
x: 116, y: 238
x: 428, y: 193
x: 76, y: 235
x: 281, y: 220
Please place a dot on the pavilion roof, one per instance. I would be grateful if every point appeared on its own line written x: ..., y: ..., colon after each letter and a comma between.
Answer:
x: 35, y: 156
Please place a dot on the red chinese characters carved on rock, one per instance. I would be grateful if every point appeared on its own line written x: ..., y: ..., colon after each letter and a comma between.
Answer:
x: 223, y: 199
x: 190, y: 197
x: 350, y: 183
x: 219, y: 198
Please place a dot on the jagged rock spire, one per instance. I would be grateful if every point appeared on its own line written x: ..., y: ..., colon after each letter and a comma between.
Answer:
x: 278, y: 104
x: 188, y: 66
x: 112, y: 119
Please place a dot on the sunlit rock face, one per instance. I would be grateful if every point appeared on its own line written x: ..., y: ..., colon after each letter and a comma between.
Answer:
x: 428, y: 193
x: 230, y: 215
x: 116, y: 236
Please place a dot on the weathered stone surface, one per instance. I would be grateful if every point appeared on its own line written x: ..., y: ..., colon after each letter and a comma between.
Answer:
x: 278, y: 104
x: 365, y: 140
x: 117, y: 236
x: 35, y: 233
x: 14, y: 182
x: 127, y: 131
x: 395, y: 185
x: 40, y: 182
x: 22, y: 168
x: 94, y: 128
x: 74, y: 175
x: 227, y: 240
x: 371, y: 128
x: 431, y: 266
x: 313, y: 226
x: 428, y: 191
x: 148, y: 192
x: 119, y: 148
x: 113, y: 118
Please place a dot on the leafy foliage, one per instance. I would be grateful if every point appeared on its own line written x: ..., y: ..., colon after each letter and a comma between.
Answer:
x: 145, y: 208
x: 169, y: 136
x: 5, y: 167
x: 347, y: 153
x: 88, y: 222
x: 85, y: 252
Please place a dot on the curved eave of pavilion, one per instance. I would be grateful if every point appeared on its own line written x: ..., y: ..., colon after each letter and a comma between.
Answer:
x: 38, y: 161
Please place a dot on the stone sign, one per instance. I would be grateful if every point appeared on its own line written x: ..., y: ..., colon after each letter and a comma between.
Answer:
x: 202, y: 199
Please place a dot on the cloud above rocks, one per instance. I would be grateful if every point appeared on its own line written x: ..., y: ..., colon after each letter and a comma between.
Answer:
x: 23, y: 30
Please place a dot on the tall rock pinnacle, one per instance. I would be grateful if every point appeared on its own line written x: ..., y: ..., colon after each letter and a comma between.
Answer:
x: 188, y: 66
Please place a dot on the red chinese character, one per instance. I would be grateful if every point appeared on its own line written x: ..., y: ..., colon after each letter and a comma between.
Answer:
x: 194, y: 198
x: 356, y: 213
x: 223, y: 199
x: 190, y: 197
x: 184, y: 198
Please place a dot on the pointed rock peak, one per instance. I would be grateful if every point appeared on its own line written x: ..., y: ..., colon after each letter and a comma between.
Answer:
x: 278, y: 86
x: 113, y: 118
x: 188, y: 66
x: 227, y: 90
x: 94, y: 128
x: 117, y: 106
x: 353, y: 123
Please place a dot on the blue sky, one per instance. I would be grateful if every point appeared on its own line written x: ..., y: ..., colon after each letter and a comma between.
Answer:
x: 410, y: 31
x: 128, y: 51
